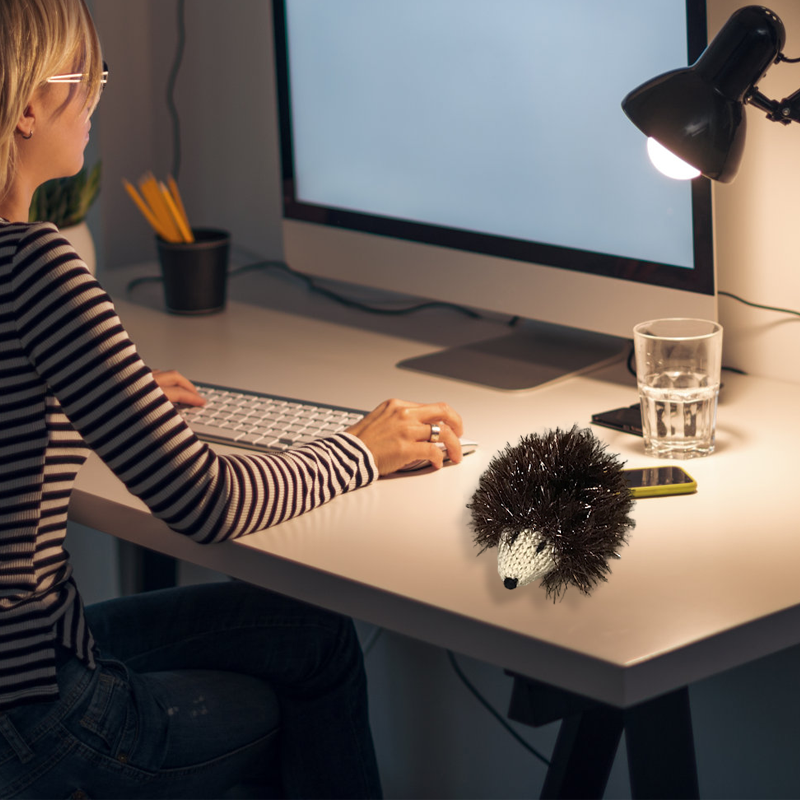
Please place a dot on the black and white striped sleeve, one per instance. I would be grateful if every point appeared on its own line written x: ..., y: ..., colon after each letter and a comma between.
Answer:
x: 71, y: 333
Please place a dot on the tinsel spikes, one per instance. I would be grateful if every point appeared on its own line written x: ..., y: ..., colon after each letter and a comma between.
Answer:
x: 568, y: 501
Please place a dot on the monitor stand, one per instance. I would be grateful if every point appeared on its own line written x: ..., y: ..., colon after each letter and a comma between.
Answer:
x: 533, y: 355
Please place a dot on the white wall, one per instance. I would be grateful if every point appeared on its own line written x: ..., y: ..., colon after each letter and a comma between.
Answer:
x: 757, y: 218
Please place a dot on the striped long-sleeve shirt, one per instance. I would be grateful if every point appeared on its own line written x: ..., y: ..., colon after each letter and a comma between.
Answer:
x: 71, y: 381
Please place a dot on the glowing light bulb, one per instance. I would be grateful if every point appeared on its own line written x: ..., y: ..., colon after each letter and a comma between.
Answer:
x: 668, y: 163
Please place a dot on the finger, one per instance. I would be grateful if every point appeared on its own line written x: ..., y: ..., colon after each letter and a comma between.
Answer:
x: 451, y: 443
x: 448, y: 444
x: 183, y: 396
x: 435, y: 455
x: 441, y: 412
x: 177, y: 388
x: 172, y: 377
x: 425, y: 432
x: 428, y: 431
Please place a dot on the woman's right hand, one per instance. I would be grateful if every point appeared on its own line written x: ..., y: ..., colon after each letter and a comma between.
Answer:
x: 398, y: 433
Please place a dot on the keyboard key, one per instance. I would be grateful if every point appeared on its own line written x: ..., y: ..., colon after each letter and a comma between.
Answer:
x: 207, y: 430
x: 250, y: 438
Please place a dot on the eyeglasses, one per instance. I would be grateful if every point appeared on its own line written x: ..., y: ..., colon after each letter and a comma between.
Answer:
x: 78, y: 77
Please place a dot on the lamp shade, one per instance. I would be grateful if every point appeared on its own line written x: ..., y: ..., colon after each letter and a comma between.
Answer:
x: 698, y: 112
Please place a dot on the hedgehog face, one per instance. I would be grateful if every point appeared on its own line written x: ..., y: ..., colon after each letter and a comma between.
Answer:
x: 526, y: 559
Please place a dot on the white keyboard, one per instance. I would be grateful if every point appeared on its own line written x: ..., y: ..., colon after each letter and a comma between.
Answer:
x: 272, y: 424
x: 263, y: 421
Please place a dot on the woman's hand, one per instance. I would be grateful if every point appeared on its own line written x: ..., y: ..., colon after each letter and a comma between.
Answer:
x: 177, y: 388
x: 398, y: 433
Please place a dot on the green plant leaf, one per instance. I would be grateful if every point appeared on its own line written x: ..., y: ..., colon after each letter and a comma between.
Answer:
x: 66, y: 201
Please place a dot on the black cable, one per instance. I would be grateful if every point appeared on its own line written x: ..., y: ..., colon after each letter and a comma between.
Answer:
x: 313, y: 286
x: 147, y: 279
x: 376, y: 634
x: 496, y: 714
x: 759, y: 305
x: 366, y: 648
x: 173, y: 77
x: 782, y: 57
x: 331, y: 295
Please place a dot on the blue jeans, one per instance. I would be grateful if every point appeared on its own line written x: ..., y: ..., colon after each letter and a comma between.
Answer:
x: 185, y: 701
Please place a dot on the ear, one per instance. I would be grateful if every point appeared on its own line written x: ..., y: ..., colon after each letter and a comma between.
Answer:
x: 26, y: 121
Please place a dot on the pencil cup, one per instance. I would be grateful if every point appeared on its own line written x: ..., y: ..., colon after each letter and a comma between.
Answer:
x: 195, y: 273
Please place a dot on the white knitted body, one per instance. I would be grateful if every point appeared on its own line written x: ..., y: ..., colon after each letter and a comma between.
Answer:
x: 526, y: 560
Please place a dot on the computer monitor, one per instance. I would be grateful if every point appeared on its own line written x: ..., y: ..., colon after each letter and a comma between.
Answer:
x: 477, y: 153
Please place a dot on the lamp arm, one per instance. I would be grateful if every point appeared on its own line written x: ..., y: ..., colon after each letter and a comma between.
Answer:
x: 790, y: 107
x: 783, y: 111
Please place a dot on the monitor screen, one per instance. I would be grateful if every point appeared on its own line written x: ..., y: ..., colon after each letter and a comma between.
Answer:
x: 477, y: 153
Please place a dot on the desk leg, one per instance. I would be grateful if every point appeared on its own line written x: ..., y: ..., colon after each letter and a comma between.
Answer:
x: 658, y: 735
x: 142, y: 570
x: 584, y: 754
x: 660, y: 743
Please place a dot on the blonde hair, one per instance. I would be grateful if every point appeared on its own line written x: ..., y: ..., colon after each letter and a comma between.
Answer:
x: 39, y: 39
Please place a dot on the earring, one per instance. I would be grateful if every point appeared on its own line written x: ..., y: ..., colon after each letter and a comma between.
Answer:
x: 26, y: 137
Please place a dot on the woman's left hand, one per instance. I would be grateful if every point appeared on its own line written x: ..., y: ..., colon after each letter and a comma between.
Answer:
x: 177, y: 388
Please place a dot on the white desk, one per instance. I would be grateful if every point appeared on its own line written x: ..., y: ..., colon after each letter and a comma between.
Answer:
x: 708, y: 581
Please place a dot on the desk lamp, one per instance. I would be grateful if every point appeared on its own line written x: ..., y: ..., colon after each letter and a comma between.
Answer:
x: 694, y: 117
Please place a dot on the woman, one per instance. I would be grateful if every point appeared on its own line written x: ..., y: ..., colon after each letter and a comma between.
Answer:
x: 168, y: 694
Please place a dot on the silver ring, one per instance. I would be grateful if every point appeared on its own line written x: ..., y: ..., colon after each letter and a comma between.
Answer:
x: 435, y: 431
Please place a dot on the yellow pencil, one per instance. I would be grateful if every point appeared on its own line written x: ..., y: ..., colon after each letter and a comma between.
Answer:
x: 152, y: 194
x: 176, y: 196
x: 186, y: 233
x: 142, y: 206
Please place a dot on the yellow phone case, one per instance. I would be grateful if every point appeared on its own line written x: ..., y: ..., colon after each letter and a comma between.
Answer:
x: 661, y: 481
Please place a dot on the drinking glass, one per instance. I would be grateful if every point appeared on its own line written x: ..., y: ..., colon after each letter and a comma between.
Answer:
x: 678, y: 364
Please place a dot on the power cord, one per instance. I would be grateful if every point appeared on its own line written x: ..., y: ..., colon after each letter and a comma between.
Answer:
x: 173, y: 77
x: 370, y: 642
x: 376, y: 634
x: 313, y: 286
x: 496, y: 714
x: 759, y: 305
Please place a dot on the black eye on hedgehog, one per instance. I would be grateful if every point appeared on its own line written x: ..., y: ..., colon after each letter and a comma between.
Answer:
x: 556, y: 506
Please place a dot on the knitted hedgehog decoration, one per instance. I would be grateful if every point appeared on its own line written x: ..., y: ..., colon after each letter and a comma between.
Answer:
x: 556, y: 507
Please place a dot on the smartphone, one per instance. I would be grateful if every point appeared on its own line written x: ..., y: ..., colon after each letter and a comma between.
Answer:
x: 658, y: 481
x: 627, y: 419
